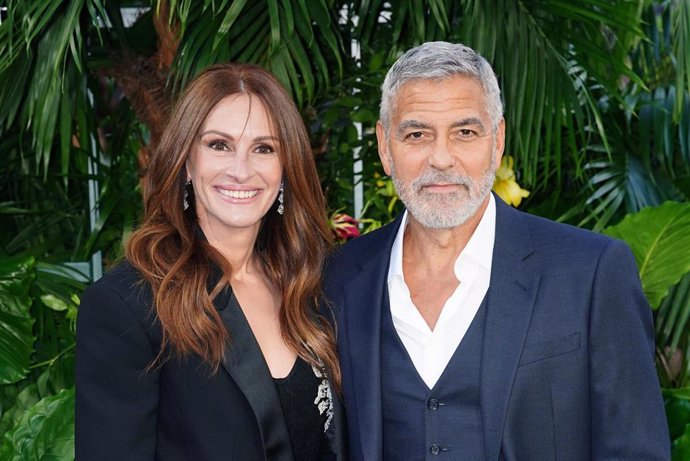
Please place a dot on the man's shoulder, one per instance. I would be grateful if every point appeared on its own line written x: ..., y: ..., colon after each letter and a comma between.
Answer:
x: 359, y: 251
x: 551, y: 236
x: 546, y: 228
x: 373, y: 239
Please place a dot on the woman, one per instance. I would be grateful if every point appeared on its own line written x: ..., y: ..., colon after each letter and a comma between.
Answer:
x: 205, y: 344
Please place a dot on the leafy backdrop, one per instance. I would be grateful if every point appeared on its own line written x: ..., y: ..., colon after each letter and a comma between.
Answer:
x: 598, y: 122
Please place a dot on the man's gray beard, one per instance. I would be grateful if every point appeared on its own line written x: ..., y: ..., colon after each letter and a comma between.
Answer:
x: 443, y: 211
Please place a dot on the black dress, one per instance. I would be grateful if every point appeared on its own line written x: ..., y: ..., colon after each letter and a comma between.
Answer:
x: 304, y: 397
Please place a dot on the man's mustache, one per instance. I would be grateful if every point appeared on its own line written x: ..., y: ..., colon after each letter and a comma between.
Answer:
x: 431, y: 178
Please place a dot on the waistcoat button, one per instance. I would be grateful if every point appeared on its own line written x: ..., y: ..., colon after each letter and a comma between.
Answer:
x: 433, y: 404
x: 435, y: 449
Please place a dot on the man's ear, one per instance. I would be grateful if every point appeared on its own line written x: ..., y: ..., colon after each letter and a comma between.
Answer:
x: 383, y: 147
x: 500, y: 142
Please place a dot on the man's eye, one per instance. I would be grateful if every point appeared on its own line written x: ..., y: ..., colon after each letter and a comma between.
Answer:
x: 415, y: 135
x: 466, y: 133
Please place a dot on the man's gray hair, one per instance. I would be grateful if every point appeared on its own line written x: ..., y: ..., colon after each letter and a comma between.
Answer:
x: 439, y: 61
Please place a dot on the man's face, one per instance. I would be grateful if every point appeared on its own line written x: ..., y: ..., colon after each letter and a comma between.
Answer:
x: 441, y: 150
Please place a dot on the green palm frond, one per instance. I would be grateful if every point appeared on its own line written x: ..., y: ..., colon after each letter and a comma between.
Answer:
x: 295, y: 39
x: 673, y: 322
x: 623, y: 186
x: 547, y: 55
x: 409, y: 21
x: 42, y: 65
x: 649, y: 162
x: 681, y: 49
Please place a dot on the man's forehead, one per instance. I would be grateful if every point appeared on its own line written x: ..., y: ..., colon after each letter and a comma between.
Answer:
x: 427, y: 100
x: 428, y: 85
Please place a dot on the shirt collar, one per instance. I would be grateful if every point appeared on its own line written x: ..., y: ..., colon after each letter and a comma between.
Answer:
x: 395, y: 268
x: 479, y: 248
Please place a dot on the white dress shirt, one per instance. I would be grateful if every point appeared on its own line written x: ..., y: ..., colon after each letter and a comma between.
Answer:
x: 431, y: 350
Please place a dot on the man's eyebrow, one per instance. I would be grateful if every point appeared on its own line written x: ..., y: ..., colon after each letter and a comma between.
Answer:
x: 468, y: 121
x: 407, y: 124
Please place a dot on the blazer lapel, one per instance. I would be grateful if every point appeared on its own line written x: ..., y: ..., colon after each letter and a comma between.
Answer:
x: 337, y: 432
x: 365, y: 300
x: 511, y: 297
x: 246, y: 365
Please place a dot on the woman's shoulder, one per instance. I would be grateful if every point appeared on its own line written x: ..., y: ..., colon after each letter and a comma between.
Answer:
x: 121, y: 278
x: 121, y: 285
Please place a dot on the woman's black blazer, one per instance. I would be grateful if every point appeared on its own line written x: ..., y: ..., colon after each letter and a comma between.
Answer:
x: 180, y: 410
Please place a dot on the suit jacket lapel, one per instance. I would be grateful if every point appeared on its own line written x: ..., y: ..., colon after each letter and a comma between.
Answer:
x: 246, y: 365
x: 511, y: 296
x: 366, y: 299
x: 336, y: 434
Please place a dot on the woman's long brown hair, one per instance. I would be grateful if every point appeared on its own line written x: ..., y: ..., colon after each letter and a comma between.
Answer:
x: 177, y: 261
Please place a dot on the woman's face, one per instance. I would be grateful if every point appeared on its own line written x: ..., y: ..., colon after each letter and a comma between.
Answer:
x: 234, y: 167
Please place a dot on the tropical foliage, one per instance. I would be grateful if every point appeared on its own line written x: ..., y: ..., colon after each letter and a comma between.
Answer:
x: 598, y: 122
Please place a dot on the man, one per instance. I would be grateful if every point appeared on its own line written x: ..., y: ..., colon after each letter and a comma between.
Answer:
x: 469, y: 330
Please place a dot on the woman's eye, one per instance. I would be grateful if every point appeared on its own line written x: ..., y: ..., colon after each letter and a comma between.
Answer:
x: 218, y: 144
x: 264, y: 149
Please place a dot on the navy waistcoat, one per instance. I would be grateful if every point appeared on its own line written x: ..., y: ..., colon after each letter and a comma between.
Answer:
x: 441, y: 423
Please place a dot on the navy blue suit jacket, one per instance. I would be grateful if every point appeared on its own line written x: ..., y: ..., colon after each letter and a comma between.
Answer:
x: 567, y: 367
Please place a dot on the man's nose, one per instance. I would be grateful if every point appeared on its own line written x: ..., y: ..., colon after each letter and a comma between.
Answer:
x: 442, y: 157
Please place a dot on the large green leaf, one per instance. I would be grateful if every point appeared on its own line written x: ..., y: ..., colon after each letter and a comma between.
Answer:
x: 681, y: 446
x: 660, y: 239
x: 45, y: 432
x: 682, y: 393
x: 678, y: 414
x: 16, y: 401
x: 16, y: 340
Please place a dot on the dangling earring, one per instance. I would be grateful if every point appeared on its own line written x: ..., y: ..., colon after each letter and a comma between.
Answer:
x: 281, y: 197
x: 185, y: 203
